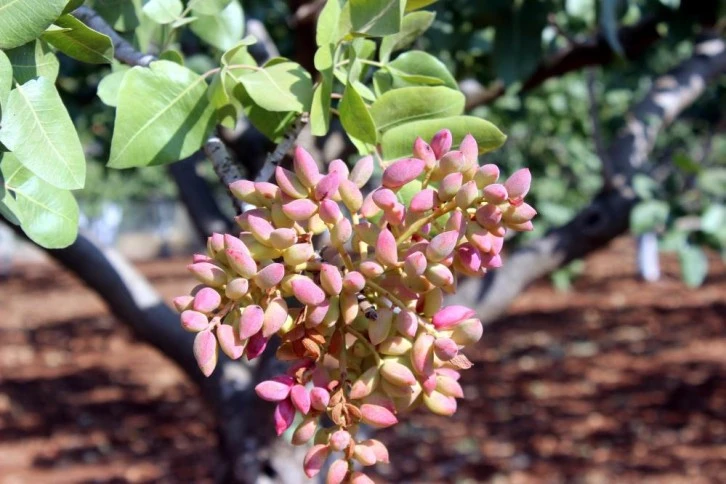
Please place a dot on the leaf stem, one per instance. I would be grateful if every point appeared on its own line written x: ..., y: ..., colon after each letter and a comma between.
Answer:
x: 416, y: 226
x: 365, y: 342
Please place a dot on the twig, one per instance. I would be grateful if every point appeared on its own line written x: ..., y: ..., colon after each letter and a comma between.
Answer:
x: 274, y: 158
x: 594, y: 111
x: 225, y: 168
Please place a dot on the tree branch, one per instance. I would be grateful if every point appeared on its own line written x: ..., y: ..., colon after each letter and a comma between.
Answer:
x: 274, y: 158
x: 608, y: 214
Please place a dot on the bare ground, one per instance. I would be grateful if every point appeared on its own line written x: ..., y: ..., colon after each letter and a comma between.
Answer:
x: 616, y: 381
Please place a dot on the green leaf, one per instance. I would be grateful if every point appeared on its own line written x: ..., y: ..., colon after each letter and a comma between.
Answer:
x: 47, y: 214
x: 33, y: 60
x: 173, y: 56
x: 409, y: 104
x: 713, y: 219
x: 648, y: 215
x: 219, y: 98
x: 6, y: 79
x: 23, y: 20
x: 355, y: 117
x: 417, y: 63
x: 517, y: 45
x: 163, y: 116
x: 280, y: 86
x: 72, y: 5
x: 609, y: 10
x: 110, y: 85
x: 328, y: 20
x: 413, y: 25
x: 320, y: 107
x: 273, y: 124
x: 80, y: 42
x: 38, y: 130
x: 712, y: 181
x: 222, y: 30
x: 412, y: 5
x: 398, y: 142
x: 376, y: 17
x: 208, y: 7
x: 122, y: 15
x: 8, y: 205
x: 238, y: 53
x: 694, y: 265
x: 163, y: 11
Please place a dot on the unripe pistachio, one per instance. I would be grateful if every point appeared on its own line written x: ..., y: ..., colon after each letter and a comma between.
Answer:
x: 299, y: 210
x: 377, y: 416
x: 245, y: 190
x: 360, y: 478
x: 423, y: 151
x: 422, y: 354
x: 454, y: 161
x: 205, y: 351
x: 369, y: 209
x: 518, y: 185
x: 367, y: 232
x: 397, y: 374
x: 429, y: 383
x: 305, y: 167
x: 364, y: 455
x: 467, y: 332
x: 250, y: 321
x: 395, y: 346
x: 365, y: 384
x: 282, y: 238
x: 340, y: 440
x: 317, y: 315
x: 362, y: 171
x: 379, y: 450
x: 206, y: 300
x: 479, y: 237
x: 407, y: 323
x: 182, y: 303
x: 370, y: 269
x: 315, y: 459
x: 384, y: 198
x: 441, y: 143
x: 379, y: 329
x: 278, y: 217
x: 330, y: 211
x: 457, y: 222
x: 445, y: 349
x: 283, y: 416
x: 495, y: 193
x: 401, y: 172
x: 298, y: 253
x: 486, y: 175
x: 215, y: 243
x: 209, y: 273
x: 523, y: 227
x: 194, y: 321
x: 337, y: 472
x: 276, y: 389
x: 415, y: 264
x: 519, y: 214
x: 300, y: 398
x: 305, y: 431
x: 338, y: 166
x: 319, y: 398
x: 275, y: 315
x: 354, y: 282
x: 424, y: 200
x: 441, y: 246
x: 229, y: 341
x: 349, y: 307
x: 440, y: 404
x: 290, y: 184
x: 466, y: 195
x: 327, y: 186
x: 470, y: 149
x: 341, y: 233
x: 331, y: 279
x: 451, y: 316
x: 267, y: 192
x: 331, y: 317
x: 439, y: 275
x: 396, y: 214
x: 351, y: 195
x: 449, y: 387
x: 489, y: 216
x: 449, y: 186
x: 307, y: 292
x: 255, y: 346
x: 386, y: 249
x: 432, y: 302
x: 270, y: 276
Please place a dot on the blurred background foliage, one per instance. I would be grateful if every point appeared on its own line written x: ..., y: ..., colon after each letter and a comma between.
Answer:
x: 499, y: 44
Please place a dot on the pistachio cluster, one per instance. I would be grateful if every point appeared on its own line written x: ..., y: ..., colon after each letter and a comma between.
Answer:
x: 362, y: 321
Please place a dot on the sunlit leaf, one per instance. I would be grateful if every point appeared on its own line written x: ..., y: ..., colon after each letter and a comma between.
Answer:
x: 409, y: 104
x: 23, y: 20
x: 33, y: 60
x: 222, y: 30
x: 80, y: 41
x: 355, y: 117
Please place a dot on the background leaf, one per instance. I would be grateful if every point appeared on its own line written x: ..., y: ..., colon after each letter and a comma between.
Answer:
x: 328, y: 20
x: 6, y: 79
x: 208, y: 7
x: 398, y: 142
x: 80, y: 42
x: 110, y: 85
x: 648, y: 215
x: 279, y: 86
x: 222, y: 30
x: 409, y: 104
x: 609, y: 23
x: 412, y: 26
x: 320, y: 107
x: 694, y: 265
x: 48, y: 215
x: 355, y: 117
x: 419, y: 63
x: 33, y: 60
x: 163, y: 11
x: 163, y: 116
x: 38, y: 130
x: 122, y: 15
x: 23, y: 20
x: 376, y: 17
x: 517, y: 45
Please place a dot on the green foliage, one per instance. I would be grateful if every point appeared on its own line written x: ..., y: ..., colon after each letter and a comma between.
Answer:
x: 223, y: 29
x: 76, y: 40
x: 23, y: 21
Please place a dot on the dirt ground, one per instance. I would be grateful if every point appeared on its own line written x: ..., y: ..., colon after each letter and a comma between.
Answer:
x: 616, y: 381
